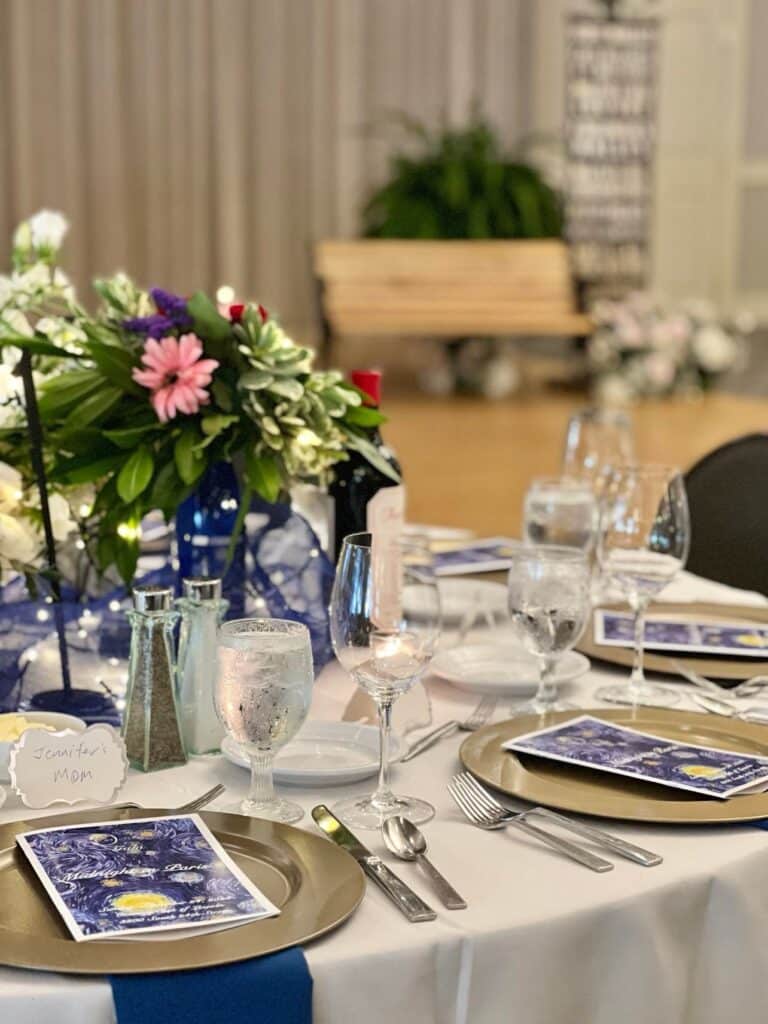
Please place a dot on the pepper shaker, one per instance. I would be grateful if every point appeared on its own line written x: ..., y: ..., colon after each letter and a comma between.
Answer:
x: 151, y: 726
x: 202, y: 609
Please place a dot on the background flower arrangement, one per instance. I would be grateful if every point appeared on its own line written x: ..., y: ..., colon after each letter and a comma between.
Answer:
x: 140, y: 399
x: 642, y: 347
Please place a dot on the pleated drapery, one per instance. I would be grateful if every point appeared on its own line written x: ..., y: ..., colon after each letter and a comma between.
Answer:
x: 199, y: 142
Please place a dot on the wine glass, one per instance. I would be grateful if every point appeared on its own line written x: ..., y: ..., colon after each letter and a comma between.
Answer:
x: 596, y: 442
x: 560, y: 511
x: 263, y: 692
x: 549, y: 603
x: 643, y: 544
x: 385, y: 621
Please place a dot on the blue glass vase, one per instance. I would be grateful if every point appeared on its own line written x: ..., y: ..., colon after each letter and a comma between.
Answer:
x: 204, y: 525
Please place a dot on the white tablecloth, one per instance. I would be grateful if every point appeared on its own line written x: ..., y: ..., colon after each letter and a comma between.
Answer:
x: 544, y: 941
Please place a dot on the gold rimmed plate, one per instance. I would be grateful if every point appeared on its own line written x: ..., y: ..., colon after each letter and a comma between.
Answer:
x: 315, y: 884
x: 602, y: 795
x: 723, y: 667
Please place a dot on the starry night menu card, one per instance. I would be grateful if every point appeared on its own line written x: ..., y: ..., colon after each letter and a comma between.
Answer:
x: 116, y: 879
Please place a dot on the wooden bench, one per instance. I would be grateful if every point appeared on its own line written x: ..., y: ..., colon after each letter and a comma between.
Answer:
x: 446, y: 289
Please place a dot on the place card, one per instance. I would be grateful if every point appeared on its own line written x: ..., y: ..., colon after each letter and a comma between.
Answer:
x: 668, y: 633
x: 68, y: 767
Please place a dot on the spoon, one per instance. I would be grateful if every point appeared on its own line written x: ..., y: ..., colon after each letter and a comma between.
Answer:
x: 408, y: 843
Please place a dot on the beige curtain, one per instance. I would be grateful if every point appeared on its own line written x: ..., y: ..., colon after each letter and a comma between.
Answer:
x: 200, y: 142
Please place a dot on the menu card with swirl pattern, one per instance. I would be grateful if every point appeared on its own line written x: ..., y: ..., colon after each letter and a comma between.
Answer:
x: 121, y: 878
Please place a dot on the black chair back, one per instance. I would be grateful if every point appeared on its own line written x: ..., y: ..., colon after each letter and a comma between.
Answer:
x: 728, y: 498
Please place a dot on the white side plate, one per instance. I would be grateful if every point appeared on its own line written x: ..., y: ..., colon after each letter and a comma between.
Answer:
x: 499, y: 670
x: 323, y: 754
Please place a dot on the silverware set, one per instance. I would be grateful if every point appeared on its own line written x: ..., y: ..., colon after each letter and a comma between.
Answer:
x: 484, y: 811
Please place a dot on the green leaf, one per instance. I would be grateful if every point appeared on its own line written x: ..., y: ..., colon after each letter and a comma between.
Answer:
x: 84, y: 469
x: 116, y: 364
x: 126, y: 557
x: 289, y: 388
x: 67, y: 389
x: 256, y: 380
x: 216, y: 424
x: 364, y: 416
x: 168, y: 489
x: 127, y: 437
x: 135, y: 475
x: 94, y: 407
x: 373, y: 455
x: 189, y: 462
x: 222, y: 394
x: 262, y: 473
x: 36, y: 346
x: 209, y: 324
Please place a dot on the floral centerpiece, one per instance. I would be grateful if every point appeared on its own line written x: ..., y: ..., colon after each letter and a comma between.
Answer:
x: 138, y: 400
x: 642, y: 347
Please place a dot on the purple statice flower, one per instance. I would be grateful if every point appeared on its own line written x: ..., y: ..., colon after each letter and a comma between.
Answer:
x: 171, y: 315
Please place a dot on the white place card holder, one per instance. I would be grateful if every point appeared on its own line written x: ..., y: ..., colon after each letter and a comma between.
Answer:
x: 68, y: 767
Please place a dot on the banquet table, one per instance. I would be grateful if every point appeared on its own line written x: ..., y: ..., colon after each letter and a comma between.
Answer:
x: 543, y: 940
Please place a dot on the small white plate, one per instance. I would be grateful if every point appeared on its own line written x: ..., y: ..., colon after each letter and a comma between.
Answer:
x: 323, y: 754
x: 501, y: 670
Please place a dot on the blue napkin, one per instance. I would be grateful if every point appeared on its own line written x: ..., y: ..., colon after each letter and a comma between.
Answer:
x: 275, y: 989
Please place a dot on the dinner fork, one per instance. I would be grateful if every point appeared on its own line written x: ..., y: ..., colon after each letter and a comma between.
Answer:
x: 476, y: 720
x: 580, y: 828
x: 748, y: 688
x: 479, y: 815
x: 757, y: 714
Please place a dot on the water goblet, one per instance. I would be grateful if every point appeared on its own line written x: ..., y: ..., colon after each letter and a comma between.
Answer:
x: 597, y: 441
x: 385, y: 621
x: 560, y: 511
x: 262, y: 695
x: 549, y: 604
x: 643, y: 544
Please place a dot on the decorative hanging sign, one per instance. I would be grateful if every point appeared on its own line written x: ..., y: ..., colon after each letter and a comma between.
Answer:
x: 68, y: 767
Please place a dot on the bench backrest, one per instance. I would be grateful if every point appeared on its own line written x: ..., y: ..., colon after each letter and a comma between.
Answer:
x: 448, y: 288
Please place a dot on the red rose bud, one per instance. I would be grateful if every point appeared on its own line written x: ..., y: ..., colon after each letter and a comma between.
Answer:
x: 263, y: 313
x: 236, y: 312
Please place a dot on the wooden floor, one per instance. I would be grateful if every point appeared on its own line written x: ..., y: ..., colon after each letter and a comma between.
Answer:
x: 468, y: 462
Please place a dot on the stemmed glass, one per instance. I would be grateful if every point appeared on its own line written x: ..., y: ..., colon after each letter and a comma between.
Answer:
x: 560, y: 511
x: 262, y: 695
x: 549, y: 603
x: 596, y: 442
x: 643, y: 544
x: 385, y: 621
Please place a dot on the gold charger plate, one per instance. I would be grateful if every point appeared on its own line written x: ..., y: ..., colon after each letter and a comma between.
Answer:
x: 723, y: 667
x: 315, y: 884
x: 596, y: 793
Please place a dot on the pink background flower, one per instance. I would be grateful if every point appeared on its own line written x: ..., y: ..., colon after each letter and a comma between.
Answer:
x: 176, y: 375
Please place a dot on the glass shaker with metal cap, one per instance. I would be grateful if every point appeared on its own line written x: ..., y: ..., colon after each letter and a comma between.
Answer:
x: 202, y: 609
x: 151, y: 726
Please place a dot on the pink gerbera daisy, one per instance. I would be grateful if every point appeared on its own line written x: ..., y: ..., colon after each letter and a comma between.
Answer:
x: 176, y: 375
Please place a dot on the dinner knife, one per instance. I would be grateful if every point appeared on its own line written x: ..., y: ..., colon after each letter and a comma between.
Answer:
x: 404, y: 898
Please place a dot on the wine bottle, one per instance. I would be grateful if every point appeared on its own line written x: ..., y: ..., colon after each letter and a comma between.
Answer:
x: 365, y: 498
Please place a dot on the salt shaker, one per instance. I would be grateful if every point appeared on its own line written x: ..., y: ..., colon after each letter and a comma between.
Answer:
x: 202, y: 609
x: 151, y: 726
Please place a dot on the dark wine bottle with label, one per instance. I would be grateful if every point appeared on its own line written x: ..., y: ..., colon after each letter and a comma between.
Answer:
x: 365, y: 498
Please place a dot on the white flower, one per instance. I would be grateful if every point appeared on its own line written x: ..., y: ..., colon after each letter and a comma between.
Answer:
x: 61, y: 518
x: 18, y: 542
x: 22, y: 238
x: 10, y: 489
x: 17, y: 322
x: 613, y: 390
x: 714, y: 350
x: 10, y: 385
x: 62, y: 332
x: 659, y: 371
x: 6, y: 290
x: 47, y: 229
x: 745, y: 322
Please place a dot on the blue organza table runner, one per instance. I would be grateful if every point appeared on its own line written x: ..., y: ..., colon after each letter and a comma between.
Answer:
x: 288, y: 576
